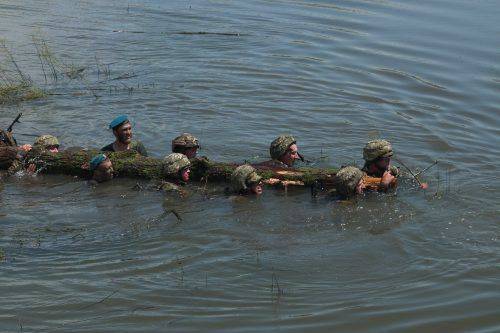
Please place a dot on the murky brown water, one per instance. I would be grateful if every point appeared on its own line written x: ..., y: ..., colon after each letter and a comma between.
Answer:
x: 424, y: 74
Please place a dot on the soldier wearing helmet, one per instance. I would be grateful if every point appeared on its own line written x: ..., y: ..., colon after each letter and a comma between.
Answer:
x: 283, y: 151
x: 122, y: 130
x: 245, y: 180
x: 44, y: 143
x: 377, y: 155
x: 47, y: 143
x: 186, y: 144
x: 349, y: 182
x: 176, y: 167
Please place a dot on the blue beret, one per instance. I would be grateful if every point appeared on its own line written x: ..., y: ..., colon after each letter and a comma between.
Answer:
x: 118, y: 121
x: 96, y: 160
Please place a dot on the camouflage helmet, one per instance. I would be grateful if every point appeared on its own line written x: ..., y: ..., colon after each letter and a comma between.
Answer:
x: 174, y: 163
x: 376, y: 149
x: 347, y: 179
x: 243, y: 176
x: 46, y: 140
x: 185, y: 140
x: 280, y: 145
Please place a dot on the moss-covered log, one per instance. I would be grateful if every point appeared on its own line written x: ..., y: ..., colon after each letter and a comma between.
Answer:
x: 132, y: 165
x: 8, y: 155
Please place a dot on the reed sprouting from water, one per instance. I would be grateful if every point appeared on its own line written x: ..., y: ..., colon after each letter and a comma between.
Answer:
x: 15, y: 85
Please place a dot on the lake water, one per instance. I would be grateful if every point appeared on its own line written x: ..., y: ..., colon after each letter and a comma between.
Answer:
x: 423, y: 74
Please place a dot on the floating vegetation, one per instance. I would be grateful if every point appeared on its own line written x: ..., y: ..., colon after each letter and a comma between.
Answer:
x: 18, y: 92
x: 3, y: 257
x: 15, y: 85
x: 52, y: 66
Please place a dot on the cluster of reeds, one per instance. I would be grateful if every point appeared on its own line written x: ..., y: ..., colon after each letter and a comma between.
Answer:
x: 53, y: 67
x: 15, y: 85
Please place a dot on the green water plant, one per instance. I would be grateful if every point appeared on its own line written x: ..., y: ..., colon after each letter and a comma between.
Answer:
x: 3, y: 256
x: 15, y: 85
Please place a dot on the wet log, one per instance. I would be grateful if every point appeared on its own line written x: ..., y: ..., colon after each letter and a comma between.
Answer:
x: 8, y: 155
x: 132, y: 165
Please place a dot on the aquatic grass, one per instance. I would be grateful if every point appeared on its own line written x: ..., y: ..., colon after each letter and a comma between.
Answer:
x: 16, y: 85
x: 54, y: 65
x: 17, y: 92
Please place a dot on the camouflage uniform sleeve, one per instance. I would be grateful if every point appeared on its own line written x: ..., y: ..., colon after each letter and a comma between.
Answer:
x: 168, y: 187
x: 139, y: 147
x: 394, y: 171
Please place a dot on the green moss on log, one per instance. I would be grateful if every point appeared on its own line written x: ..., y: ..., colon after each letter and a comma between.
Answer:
x: 132, y: 165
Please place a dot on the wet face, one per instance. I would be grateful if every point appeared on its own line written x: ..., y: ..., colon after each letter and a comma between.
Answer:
x: 123, y: 133
x: 360, y: 187
x: 191, y: 152
x: 291, y: 155
x: 383, y: 163
x: 53, y: 148
x: 185, y: 174
x: 256, y: 188
x: 104, y: 171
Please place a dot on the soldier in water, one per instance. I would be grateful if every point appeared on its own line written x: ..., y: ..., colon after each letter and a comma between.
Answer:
x: 349, y: 182
x: 47, y: 143
x: 186, y: 144
x: 284, y: 152
x: 101, y: 168
x: 122, y: 130
x: 44, y: 143
x: 176, y: 168
x: 377, y: 155
x: 245, y: 180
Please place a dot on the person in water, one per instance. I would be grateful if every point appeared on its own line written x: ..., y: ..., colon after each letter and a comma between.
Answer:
x: 377, y: 155
x: 101, y: 168
x: 349, y: 182
x: 176, y: 168
x: 186, y: 144
x: 245, y: 180
x: 47, y: 143
x: 8, y: 140
x: 122, y: 130
x: 44, y: 143
x: 284, y: 152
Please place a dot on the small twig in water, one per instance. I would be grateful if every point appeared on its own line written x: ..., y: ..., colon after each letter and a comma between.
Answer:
x: 274, y: 281
x: 173, y: 211
x: 98, y: 302
x: 410, y: 171
x: 430, y: 166
x: 207, y: 33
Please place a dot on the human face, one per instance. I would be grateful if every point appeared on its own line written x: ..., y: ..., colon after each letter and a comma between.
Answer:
x: 104, y: 171
x: 124, y: 133
x: 291, y: 155
x: 383, y: 163
x: 256, y: 188
x: 53, y: 148
x: 360, y: 188
x: 191, y: 152
x: 185, y: 174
